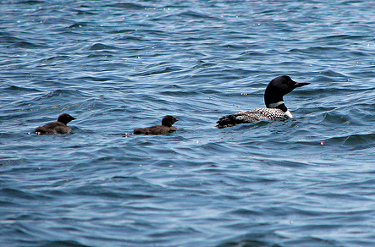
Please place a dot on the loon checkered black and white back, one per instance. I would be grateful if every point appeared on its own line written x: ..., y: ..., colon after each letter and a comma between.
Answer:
x: 273, y: 98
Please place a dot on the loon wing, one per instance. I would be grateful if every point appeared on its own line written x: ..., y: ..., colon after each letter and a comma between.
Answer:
x: 251, y: 116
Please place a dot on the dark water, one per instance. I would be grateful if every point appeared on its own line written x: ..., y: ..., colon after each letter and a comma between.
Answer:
x: 116, y: 66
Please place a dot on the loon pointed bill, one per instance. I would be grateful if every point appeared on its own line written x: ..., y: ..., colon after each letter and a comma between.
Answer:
x: 273, y: 98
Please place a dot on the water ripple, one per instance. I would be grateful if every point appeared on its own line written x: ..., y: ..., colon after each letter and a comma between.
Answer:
x: 115, y: 66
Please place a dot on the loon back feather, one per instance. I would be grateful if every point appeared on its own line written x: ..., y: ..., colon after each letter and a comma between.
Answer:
x: 251, y: 117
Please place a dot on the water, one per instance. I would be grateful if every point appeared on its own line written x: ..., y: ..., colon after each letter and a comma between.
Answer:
x: 116, y: 66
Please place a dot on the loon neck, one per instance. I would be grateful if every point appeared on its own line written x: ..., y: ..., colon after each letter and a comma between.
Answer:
x: 274, y: 99
x: 276, y: 104
x: 280, y: 105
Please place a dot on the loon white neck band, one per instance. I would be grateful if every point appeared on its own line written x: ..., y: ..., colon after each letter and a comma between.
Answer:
x: 275, y: 105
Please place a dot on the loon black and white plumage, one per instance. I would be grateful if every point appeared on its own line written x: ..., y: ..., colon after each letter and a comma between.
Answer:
x: 273, y: 98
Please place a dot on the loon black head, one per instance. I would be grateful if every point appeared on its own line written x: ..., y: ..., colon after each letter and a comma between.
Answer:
x: 168, y: 121
x: 277, y: 88
x: 65, y: 118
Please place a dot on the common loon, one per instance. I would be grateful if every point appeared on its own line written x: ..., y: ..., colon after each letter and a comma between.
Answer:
x: 59, y: 127
x: 165, y: 127
x: 273, y: 97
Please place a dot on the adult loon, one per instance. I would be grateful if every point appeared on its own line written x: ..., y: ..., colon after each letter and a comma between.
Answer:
x: 165, y: 127
x: 58, y: 127
x: 273, y: 97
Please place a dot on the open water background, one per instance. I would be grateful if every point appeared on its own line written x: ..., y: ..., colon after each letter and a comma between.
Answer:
x: 118, y: 65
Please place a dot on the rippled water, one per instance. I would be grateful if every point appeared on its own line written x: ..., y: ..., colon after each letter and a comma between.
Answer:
x: 116, y: 66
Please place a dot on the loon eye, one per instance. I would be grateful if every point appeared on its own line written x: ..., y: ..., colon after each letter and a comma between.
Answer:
x: 289, y: 83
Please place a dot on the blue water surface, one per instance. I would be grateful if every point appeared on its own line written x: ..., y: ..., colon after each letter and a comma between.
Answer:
x: 120, y: 65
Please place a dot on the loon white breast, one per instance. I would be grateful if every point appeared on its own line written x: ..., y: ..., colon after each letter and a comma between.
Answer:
x: 273, y: 97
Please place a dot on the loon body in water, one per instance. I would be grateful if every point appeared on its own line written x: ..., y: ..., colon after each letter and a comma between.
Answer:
x: 58, y: 127
x: 165, y: 127
x: 273, y: 97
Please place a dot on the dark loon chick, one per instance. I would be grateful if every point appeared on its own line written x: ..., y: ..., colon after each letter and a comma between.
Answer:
x: 273, y: 97
x: 58, y: 127
x: 165, y: 127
